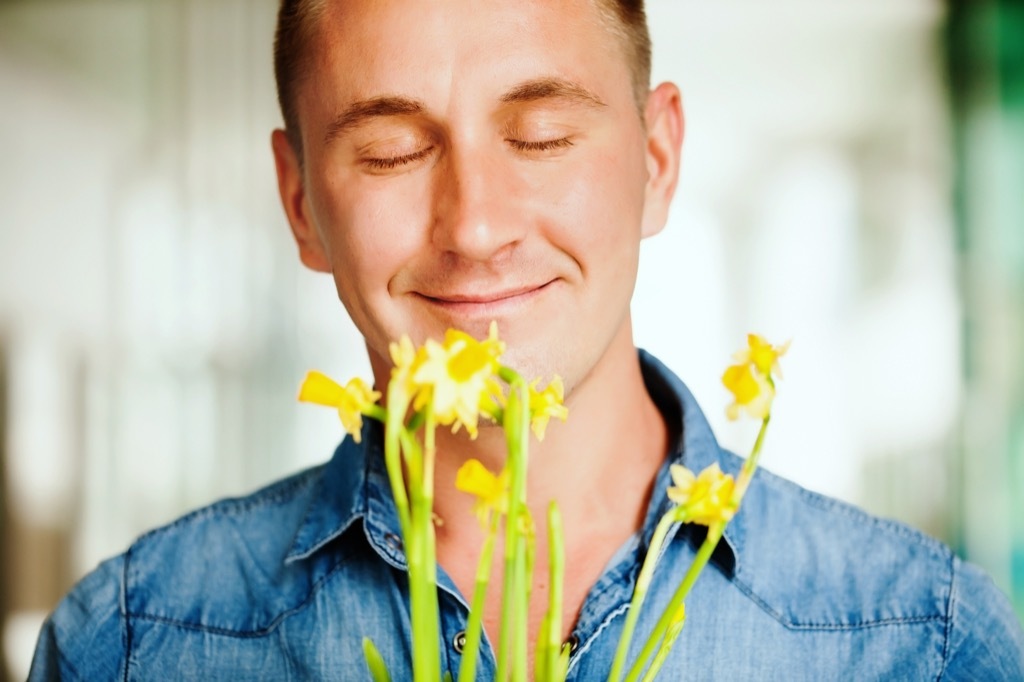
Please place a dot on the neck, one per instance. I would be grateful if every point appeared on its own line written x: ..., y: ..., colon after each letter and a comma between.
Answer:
x: 598, y: 465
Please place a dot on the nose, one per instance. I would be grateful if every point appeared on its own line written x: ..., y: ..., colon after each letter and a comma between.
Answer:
x: 474, y: 206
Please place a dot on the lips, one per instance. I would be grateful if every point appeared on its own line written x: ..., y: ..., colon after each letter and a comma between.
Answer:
x: 485, y: 298
x: 493, y: 303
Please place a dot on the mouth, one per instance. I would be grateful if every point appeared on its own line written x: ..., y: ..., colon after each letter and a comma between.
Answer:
x: 493, y: 304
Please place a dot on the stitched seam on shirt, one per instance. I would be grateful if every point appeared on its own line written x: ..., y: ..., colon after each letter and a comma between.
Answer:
x: 613, y: 580
x: 605, y: 622
x: 794, y: 625
x: 245, y: 634
x: 852, y: 512
x: 950, y: 604
x: 334, y: 535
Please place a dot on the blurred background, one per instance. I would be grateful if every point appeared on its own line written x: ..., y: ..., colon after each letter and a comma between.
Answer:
x: 853, y: 179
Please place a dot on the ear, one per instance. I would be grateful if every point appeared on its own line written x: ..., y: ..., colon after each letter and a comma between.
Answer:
x: 296, y: 206
x: 664, y: 118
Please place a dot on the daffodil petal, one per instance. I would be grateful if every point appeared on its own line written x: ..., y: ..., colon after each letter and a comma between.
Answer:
x: 474, y: 478
x: 703, y: 499
x: 320, y: 389
x: 490, y: 490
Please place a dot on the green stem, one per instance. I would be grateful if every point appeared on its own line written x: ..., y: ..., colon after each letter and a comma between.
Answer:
x: 421, y: 555
x: 430, y: 545
x: 516, y: 437
x: 552, y: 629
x: 715, y: 531
x: 413, y: 458
x: 540, y: 653
x: 675, y: 627
x: 397, y: 405
x: 415, y: 421
x: 527, y: 541
x: 429, y: 456
x: 376, y: 412
x: 643, y: 582
x: 428, y: 641
x: 750, y: 464
x: 474, y: 629
x: 522, y: 602
x: 662, y: 626
x: 375, y: 662
x: 414, y: 550
x: 529, y: 536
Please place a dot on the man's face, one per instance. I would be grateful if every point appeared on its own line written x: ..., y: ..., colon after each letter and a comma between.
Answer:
x: 475, y: 160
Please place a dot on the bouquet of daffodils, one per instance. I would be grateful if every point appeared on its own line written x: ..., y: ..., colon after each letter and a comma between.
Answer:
x: 456, y: 383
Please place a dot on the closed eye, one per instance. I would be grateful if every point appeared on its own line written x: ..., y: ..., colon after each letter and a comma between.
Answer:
x: 541, y: 145
x: 392, y: 162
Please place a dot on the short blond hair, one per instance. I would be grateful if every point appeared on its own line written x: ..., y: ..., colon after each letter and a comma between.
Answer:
x: 296, y: 22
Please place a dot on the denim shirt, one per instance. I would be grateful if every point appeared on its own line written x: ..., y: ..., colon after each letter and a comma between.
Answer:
x: 285, y: 583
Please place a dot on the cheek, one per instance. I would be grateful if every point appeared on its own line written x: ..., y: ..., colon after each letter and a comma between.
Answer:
x: 370, y: 230
x: 599, y: 205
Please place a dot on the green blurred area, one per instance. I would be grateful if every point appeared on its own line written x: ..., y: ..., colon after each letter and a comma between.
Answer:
x: 985, y: 48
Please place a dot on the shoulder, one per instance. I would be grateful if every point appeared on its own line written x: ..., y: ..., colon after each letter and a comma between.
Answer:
x: 985, y: 638
x: 819, y: 561
x: 816, y: 563
x: 83, y: 639
x: 221, y: 567
x: 260, y: 525
x: 204, y: 569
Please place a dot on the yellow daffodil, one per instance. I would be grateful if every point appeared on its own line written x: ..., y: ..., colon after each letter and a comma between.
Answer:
x: 750, y: 390
x: 491, y: 491
x: 406, y: 359
x: 706, y: 498
x: 761, y: 354
x: 403, y: 355
x: 351, y: 400
x: 546, y: 404
x: 457, y: 376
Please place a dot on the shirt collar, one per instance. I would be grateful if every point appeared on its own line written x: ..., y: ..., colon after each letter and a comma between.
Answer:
x: 354, y: 483
x: 696, y: 448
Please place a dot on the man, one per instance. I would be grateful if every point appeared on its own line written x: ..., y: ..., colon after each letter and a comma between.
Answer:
x: 454, y: 162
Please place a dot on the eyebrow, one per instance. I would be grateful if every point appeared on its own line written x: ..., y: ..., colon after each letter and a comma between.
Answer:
x: 375, y: 107
x: 362, y: 111
x: 551, y: 88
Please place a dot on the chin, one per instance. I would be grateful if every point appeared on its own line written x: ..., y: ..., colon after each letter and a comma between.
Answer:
x: 533, y: 363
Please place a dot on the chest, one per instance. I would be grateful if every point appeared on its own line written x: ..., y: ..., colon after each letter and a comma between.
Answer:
x: 319, y: 634
x: 726, y: 637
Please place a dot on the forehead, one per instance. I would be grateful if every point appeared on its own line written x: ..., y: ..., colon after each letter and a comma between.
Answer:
x: 445, y: 51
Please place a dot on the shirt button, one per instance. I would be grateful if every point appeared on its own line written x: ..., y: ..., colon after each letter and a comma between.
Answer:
x: 574, y: 644
x: 459, y: 642
x: 393, y: 540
